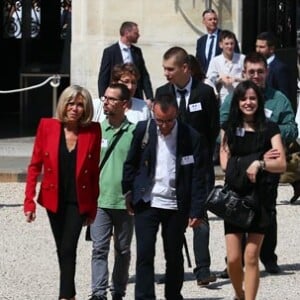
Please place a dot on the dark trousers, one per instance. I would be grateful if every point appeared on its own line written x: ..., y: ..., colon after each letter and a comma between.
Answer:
x: 267, y: 252
x: 202, y: 233
x: 66, y: 226
x: 173, y: 224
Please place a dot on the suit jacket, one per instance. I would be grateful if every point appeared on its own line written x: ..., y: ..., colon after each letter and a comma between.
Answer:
x: 279, y: 77
x: 46, y: 156
x: 204, y: 120
x: 139, y: 168
x: 200, y: 49
x: 112, y: 56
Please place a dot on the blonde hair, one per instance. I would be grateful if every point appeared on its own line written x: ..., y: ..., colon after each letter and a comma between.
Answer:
x: 69, y: 93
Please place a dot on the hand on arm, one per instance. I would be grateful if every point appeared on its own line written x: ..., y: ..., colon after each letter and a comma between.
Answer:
x: 275, y: 161
x: 195, y: 222
x: 252, y: 170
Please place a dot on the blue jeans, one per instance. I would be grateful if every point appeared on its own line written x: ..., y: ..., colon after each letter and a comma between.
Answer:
x: 201, y: 251
x: 110, y: 223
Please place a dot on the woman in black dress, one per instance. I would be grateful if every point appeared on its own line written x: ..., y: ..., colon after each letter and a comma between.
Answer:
x: 248, y: 133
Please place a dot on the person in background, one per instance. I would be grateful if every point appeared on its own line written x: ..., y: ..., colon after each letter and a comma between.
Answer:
x: 278, y: 76
x: 112, y: 217
x: 164, y: 184
x: 67, y: 149
x: 137, y: 109
x: 225, y: 70
x: 208, y: 44
x: 125, y: 51
x: 279, y: 110
x: 198, y: 73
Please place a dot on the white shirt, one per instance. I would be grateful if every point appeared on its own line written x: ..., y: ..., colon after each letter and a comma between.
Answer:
x: 219, y: 65
x: 163, y: 193
x: 126, y: 53
x: 270, y: 59
x: 139, y: 111
x: 188, y: 88
x: 207, y: 45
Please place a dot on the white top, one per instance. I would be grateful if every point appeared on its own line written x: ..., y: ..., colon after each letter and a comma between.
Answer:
x: 208, y: 41
x: 139, y: 111
x: 188, y: 88
x: 219, y: 65
x: 163, y: 193
x: 126, y: 53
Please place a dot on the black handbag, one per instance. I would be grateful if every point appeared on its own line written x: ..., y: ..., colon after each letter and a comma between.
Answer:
x: 230, y: 206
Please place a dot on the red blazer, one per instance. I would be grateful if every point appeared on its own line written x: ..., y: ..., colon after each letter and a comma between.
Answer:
x: 46, y: 155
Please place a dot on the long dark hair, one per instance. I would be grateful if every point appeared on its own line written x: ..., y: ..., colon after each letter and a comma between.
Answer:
x: 235, y: 118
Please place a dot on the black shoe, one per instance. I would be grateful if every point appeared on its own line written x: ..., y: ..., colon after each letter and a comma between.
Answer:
x: 117, y: 297
x: 94, y: 297
x: 206, y: 281
x: 294, y: 198
x: 296, y: 187
x: 272, y: 267
x: 224, y: 274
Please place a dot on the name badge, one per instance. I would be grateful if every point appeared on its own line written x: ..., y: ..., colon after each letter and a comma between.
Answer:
x: 104, y: 143
x: 195, y: 107
x: 268, y: 113
x: 187, y: 160
x: 240, y: 131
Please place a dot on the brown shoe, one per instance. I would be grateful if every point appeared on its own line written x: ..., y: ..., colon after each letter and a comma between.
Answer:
x: 207, y: 281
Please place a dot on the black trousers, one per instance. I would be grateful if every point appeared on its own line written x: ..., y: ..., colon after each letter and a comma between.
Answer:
x: 173, y: 224
x: 267, y: 252
x: 66, y: 226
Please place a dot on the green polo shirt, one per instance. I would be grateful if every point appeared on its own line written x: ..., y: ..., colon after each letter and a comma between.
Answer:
x: 112, y: 171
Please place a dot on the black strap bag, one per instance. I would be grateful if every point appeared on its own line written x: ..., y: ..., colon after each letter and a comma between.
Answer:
x: 230, y: 206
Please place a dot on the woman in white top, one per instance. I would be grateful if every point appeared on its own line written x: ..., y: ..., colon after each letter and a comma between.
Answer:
x: 137, y: 109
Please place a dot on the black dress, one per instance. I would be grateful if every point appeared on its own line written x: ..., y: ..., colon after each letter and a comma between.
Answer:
x: 246, y: 143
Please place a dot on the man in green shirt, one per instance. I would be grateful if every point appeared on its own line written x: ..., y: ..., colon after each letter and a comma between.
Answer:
x: 279, y: 110
x: 112, y: 218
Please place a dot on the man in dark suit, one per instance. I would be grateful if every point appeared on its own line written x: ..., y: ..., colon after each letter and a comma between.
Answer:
x: 198, y: 107
x: 123, y: 52
x: 208, y: 44
x: 278, y: 72
x: 164, y: 184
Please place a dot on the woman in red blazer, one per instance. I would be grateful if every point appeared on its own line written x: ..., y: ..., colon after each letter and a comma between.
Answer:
x: 66, y: 151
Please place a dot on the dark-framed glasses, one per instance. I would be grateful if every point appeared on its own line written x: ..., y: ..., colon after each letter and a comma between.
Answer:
x: 109, y: 99
x: 161, y: 122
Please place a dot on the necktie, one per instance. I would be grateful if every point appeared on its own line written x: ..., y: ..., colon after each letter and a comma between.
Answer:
x: 182, y: 105
x: 210, y: 50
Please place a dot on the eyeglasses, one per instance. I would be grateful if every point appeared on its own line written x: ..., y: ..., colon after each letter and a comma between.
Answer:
x: 252, y: 72
x: 109, y: 99
x: 160, y: 122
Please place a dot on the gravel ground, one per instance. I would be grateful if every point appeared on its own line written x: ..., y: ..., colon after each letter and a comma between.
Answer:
x: 28, y: 265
